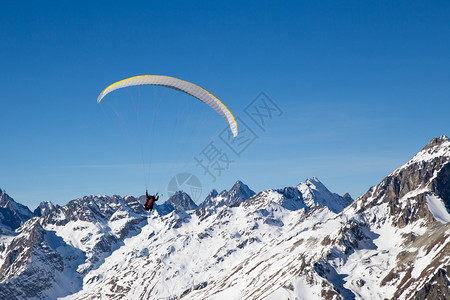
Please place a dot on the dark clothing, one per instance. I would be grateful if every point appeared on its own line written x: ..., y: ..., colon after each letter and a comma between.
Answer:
x: 150, y: 201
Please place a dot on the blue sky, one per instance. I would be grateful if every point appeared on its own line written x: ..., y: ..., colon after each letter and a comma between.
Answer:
x: 363, y: 86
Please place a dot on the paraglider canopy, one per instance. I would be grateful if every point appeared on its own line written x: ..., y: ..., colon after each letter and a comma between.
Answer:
x: 180, y: 85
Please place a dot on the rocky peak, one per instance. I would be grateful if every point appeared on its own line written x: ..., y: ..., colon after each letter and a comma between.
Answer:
x: 239, y: 192
x: 436, y: 152
x: 8, y: 202
x: 12, y: 214
x: 311, y: 194
x: 313, y: 182
x: 315, y: 193
x: 407, y: 191
x: 213, y: 194
x: 181, y: 201
x: 437, y: 142
x: 44, y: 208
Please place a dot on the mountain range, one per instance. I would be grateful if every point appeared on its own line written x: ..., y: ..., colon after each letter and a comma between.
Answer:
x: 301, y: 242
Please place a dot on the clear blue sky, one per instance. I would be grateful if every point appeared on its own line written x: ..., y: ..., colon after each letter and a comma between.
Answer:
x: 363, y: 86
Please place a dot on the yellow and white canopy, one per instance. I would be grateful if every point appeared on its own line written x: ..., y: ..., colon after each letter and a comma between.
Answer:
x: 180, y: 85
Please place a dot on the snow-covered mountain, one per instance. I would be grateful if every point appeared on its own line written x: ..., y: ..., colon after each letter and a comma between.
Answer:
x: 238, y: 193
x: 301, y: 242
x: 214, y: 201
x: 180, y: 201
x: 306, y: 195
x: 314, y: 194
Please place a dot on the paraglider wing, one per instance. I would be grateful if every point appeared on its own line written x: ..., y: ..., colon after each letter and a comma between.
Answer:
x: 180, y: 85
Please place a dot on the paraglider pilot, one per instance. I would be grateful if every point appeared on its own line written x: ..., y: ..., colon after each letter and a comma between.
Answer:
x: 150, y: 201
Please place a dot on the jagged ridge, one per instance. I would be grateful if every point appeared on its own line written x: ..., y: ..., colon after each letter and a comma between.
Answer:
x: 279, y: 243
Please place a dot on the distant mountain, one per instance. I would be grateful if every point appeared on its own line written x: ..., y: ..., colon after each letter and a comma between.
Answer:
x: 12, y: 214
x: 238, y: 193
x: 301, y: 242
x: 306, y: 195
x: 178, y: 202
x: 314, y: 194
x: 181, y: 201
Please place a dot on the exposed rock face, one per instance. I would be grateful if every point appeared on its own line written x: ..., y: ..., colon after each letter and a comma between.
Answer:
x: 49, y: 254
x: 181, y: 202
x: 12, y: 214
x: 44, y: 209
x: 437, y: 287
x: 440, y: 185
x: 402, y: 202
x: 9, y: 219
x: 29, y: 264
x: 405, y: 189
x: 238, y: 193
